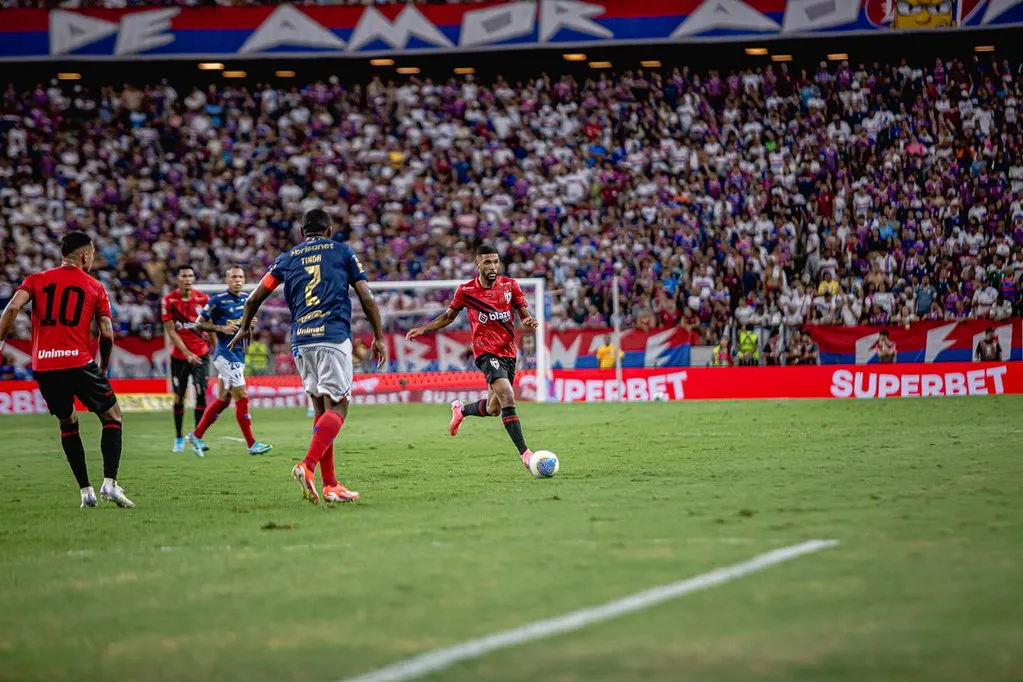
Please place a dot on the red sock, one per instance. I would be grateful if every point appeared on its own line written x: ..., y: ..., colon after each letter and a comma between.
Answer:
x: 210, y: 416
x: 241, y: 413
x: 327, y: 468
x: 324, y: 433
x: 327, y: 463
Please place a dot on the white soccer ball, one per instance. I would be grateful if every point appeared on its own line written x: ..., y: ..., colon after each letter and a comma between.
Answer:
x: 660, y: 396
x: 544, y: 464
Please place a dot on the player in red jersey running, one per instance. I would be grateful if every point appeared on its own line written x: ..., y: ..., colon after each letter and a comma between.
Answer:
x: 190, y: 348
x: 65, y: 301
x: 493, y: 301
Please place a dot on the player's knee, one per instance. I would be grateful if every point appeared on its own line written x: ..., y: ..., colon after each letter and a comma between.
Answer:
x: 506, y: 397
x: 68, y: 422
x: 111, y: 415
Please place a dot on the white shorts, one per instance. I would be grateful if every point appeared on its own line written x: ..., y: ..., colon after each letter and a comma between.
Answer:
x: 326, y: 369
x: 231, y: 374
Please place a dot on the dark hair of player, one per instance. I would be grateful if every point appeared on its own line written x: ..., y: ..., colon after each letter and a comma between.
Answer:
x: 182, y: 268
x: 485, y: 250
x: 315, y: 221
x: 73, y: 241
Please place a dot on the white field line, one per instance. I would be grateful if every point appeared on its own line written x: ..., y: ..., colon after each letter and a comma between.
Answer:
x: 234, y: 438
x: 440, y: 659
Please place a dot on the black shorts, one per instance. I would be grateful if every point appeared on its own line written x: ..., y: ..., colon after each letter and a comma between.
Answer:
x: 182, y: 370
x: 60, y: 387
x: 495, y: 367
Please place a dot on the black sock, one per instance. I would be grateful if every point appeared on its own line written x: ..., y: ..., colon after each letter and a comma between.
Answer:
x: 199, y: 410
x: 514, y: 428
x: 477, y: 409
x: 110, y: 444
x: 71, y: 441
x: 179, y: 418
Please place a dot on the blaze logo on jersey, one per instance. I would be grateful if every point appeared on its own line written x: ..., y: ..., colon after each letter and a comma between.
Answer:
x: 502, y: 316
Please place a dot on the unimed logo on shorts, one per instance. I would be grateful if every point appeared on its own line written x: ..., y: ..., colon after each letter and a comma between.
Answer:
x: 53, y: 353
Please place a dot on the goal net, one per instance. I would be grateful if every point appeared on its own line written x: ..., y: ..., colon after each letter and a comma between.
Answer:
x: 436, y: 367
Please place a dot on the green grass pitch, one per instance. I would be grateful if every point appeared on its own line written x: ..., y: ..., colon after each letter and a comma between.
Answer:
x: 223, y: 572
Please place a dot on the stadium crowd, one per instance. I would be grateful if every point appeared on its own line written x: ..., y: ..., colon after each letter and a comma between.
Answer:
x: 770, y: 197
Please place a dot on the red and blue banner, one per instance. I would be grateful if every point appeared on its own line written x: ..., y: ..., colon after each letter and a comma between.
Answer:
x: 286, y: 30
x: 567, y: 349
x: 920, y: 342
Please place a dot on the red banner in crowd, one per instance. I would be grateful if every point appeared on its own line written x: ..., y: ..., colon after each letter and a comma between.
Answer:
x: 638, y: 385
x: 568, y: 349
x: 920, y: 342
x: 444, y: 351
x: 133, y: 356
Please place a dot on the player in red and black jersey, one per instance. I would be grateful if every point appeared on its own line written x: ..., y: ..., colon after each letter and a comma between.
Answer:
x: 190, y: 347
x: 492, y: 301
x: 65, y: 301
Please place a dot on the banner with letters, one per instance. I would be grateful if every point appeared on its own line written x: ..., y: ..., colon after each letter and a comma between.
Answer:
x: 567, y: 349
x: 444, y: 351
x: 311, y: 31
x: 638, y: 385
x: 133, y: 356
x: 920, y: 342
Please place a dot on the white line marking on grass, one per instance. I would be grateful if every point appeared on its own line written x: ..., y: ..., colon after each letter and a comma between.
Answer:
x: 440, y: 659
x: 234, y: 438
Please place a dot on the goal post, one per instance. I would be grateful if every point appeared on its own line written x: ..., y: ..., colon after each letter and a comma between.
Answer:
x: 409, y: 303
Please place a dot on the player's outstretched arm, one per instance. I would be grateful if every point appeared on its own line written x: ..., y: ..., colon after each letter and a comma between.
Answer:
x: 252, y: 305
x: 439, y: 322
x: 14, y: 306
x: 528, y: 320
x: 369, y: 306
x: 106, y: 342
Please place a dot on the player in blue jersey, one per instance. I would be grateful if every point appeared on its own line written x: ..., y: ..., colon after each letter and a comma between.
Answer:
x: 221, y: 315
x: 316, y: 275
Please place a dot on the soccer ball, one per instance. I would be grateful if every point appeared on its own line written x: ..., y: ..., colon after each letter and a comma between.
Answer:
x: 544, y: 464
x: 660, y: 396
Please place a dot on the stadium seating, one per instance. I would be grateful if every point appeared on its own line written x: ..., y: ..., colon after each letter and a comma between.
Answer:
x: 775, y: 198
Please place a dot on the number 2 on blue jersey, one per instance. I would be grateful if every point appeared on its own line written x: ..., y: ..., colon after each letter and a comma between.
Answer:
x: 311, y: 299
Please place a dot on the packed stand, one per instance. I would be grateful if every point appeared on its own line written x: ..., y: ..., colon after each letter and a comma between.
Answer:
x: 761, y: 201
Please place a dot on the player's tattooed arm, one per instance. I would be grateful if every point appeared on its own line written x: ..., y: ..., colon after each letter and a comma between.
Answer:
x: 17, y: 302
x: 369, y: 306
x: 177, y: 342
x: 439, y: 322
x: 528, y: 320
x: 106, y: 342
x: 252, y: 305
x: 207, y: 326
